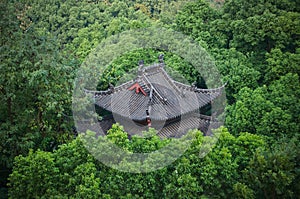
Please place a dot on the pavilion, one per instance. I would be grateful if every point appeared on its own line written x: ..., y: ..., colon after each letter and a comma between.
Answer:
x: 154, y: 99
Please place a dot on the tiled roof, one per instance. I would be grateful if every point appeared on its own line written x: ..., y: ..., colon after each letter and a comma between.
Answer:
x: 174, y: 129
x: 155, y: 91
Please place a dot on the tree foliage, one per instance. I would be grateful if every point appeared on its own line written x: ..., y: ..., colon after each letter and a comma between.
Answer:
x: 255, y: 45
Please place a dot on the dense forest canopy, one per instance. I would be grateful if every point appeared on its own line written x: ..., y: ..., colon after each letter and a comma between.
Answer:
x: 255, y: 45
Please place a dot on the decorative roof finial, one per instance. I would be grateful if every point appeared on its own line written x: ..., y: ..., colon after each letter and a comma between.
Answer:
x: 161, y: 59
x: 141, y: 65
x: 194, y: 85
x: 111, y: 88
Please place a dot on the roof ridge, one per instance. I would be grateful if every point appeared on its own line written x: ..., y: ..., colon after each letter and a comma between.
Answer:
x: 213, y: 90
x: 154, y: 89
x: 171, y: 82
x: 151, y: 67
x: 110, y: 90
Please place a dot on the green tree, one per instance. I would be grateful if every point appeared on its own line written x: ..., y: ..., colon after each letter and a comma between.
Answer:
x: 243, y: 191
x: 200, y: 20
x: 68, y: 172
x: 182, y: 186
x: 281, y: 63
x: 33, y: 175
x: 254, y: 112
x: 285, y: 94
x: 236, y: 71
x: 272, y: 171
x: 38, y: 93
x: 262, y: 25
x: 218, y: 170
x: 35, y: 87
